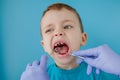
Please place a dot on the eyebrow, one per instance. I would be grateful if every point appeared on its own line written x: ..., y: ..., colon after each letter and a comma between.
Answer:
x: 46, y: 26
x: 67, y: 21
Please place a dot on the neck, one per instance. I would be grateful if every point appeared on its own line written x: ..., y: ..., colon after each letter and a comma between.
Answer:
x: 67, y: 66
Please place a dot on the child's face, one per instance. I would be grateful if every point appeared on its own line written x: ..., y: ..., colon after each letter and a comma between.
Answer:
x: 61, y: 35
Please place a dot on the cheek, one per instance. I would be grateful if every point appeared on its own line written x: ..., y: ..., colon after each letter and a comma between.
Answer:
x: 75, y: 40
x: 75, y: 44
x: 76, y: 36
x: 46, y: 40
x: 47, y: 44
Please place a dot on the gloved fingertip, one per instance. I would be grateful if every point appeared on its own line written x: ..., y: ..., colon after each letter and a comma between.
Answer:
x: 35, y: 63
x: 88, y: 73
x: 44, y: 57
x: 97, y: 71
x: 29, y: 64
x: 89, y: 69
x: 75, y: 52
x: 43, y: 61
x: 79, y: 61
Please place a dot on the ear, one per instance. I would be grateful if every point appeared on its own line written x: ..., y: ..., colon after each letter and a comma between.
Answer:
x: 43, y: 44
x: 84, y: 39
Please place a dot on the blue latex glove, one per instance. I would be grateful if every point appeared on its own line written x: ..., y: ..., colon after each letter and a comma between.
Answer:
x: 36, y: 70
x: 102, y: 58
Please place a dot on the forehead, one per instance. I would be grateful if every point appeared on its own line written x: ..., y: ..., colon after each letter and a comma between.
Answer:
x: 58, y: 16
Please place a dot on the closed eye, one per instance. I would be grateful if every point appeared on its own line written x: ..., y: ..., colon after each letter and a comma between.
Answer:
x: 48, y: 30
x: 68, y: 27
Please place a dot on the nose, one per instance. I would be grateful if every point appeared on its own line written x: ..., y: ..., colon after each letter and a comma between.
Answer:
x: 58, y: 34
x: 59, y: 31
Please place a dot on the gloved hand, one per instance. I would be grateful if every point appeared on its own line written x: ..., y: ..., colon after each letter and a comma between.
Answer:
x: 36, y: 70
x: 103, y: 58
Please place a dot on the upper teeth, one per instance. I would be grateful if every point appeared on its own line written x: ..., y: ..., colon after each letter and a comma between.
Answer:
x: 57, y: 44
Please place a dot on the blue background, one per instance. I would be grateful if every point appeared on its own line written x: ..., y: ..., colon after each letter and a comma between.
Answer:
x: 20, y: 30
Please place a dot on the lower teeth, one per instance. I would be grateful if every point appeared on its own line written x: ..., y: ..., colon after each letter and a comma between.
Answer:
x: 56, y: 50
x: 61, y: 49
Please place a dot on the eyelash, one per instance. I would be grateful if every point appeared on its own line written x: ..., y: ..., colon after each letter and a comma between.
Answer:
x: 49, y: 30
x: 68, y: 27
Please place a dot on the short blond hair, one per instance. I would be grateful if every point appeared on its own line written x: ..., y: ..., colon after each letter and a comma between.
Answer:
x: 59, y: 6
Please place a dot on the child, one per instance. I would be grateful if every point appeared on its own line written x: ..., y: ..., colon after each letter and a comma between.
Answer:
x: 62, y: 33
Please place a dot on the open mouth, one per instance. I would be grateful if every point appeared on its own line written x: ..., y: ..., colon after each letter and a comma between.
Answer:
x: 61, y: 48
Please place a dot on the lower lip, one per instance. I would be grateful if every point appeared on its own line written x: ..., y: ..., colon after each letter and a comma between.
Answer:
x: 64, y: 55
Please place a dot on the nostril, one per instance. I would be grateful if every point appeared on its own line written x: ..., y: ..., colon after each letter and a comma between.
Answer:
x: 60, y: 34
x: 55, y: 34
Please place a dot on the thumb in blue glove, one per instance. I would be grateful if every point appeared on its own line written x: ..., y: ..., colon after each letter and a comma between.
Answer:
x: 36, y: 70
x: 102, y: 57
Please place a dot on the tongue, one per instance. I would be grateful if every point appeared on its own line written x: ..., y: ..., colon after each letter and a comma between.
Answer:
x: 62, y: 50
